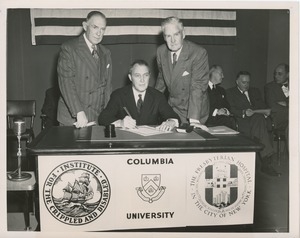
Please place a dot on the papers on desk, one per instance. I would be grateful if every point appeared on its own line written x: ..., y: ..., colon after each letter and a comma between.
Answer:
x: 91, y: 123
x: 147, y: 131
x: 222, y: 130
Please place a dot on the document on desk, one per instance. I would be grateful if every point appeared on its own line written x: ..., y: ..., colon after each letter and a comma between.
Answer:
x: 222, y: 130
x: 147, y: 131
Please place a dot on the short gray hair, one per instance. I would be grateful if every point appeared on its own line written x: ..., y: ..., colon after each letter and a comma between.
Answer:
x: 172, y: 20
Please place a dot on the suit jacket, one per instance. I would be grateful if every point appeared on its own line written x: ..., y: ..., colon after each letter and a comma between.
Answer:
x: 239, y: 102
x: 256, y: 126
x: 218, y: 100
x: 187, y: 82
x: 155, y: 107
x: 273, y: 95
x: 84, y: 82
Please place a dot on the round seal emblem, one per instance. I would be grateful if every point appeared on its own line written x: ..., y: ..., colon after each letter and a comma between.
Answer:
x: 221, y: 186
x: 76, y: 192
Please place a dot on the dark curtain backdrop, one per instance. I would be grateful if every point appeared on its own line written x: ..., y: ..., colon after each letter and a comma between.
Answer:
x: 262, y: 43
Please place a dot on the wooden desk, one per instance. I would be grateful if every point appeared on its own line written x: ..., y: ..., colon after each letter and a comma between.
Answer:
x: 119, y: 167
x: 24, y: 186
x: 64, y: 140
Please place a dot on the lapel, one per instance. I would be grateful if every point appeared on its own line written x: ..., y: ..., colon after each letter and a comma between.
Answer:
x: 148, y: 101
x: 130, y: 102
x: 84, y: 53
x: 167, y: 65
x: 181, y: 62
x: 101, y: 66
x: 279, y: 90
x: 250, y: 98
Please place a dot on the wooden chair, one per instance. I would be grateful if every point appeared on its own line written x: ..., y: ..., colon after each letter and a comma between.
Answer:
x: 24, y: 110
x: 21, y: 109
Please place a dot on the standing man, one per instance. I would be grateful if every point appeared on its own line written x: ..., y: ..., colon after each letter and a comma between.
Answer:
x: 84, y: 74
x: 139, y: 104
x: 277, y: 97
x: 219, y: 114
x: 250, y: 110
x: 183, y: 70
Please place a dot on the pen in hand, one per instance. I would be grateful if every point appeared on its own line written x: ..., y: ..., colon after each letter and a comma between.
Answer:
x: 128, y: 113
x: 126, y: 110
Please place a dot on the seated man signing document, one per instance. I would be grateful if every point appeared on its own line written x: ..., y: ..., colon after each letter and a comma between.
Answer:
x: 138, y: 104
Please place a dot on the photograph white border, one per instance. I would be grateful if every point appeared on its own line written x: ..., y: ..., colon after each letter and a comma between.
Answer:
x: 293, y: 6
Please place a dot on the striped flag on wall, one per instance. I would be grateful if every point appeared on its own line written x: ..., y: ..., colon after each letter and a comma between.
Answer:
x: 54, y: 26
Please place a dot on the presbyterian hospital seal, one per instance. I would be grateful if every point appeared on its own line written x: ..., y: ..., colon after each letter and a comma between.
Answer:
x: 221, y: 186
x: 76, y: 192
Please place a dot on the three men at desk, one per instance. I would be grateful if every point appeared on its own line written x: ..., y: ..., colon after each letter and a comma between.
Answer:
x: 139, y: 104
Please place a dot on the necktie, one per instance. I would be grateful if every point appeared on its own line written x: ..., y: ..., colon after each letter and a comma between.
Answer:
x: 247, y: 96
x: 139, y: 103
x: 174, y: 59
x: 94, y: 52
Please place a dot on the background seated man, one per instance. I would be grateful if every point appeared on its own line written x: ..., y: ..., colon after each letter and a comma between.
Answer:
x: 250, y: 110
x: 49, y: 108
x: 277, y: 98
x: 219, y: 113
x: 145, y: 105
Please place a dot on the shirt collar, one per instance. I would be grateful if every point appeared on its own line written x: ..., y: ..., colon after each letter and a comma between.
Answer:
x: 210, y: 84
x: 177, y: 53
x: 241, y: 90
x: 89, y: 44
x: 136, y: 94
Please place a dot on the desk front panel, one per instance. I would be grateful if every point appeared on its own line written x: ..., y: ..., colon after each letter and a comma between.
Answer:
x: 135, y: 191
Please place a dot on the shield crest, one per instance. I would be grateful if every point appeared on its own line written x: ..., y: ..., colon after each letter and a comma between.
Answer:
x: 151, y: 183
x: 221, y: 188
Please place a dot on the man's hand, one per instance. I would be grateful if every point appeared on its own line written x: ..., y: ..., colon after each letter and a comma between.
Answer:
x: 267, y: 112
x: 81, y: 120
x: 249, y: 112
x: 199, y: 125
x: 282, y: 103
x: 128, y: 122
x: 167, y: 125
x: 222, y: 111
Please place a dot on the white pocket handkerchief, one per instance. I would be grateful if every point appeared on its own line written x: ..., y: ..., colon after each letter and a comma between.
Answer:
x: 107, y: 66
x: 185, y: 73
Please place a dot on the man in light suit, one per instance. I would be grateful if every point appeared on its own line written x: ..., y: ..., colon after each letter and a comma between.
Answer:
x: 252, y: 114
x: 183, y: 70
x: 277, y: 97
x: 84, y: 74
x: 138, y: 104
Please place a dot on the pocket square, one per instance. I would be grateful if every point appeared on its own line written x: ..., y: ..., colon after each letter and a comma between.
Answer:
x: 107, y: 66
x: 185, y: 73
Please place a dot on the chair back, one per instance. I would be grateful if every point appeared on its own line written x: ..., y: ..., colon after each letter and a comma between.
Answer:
x: 21, y: 108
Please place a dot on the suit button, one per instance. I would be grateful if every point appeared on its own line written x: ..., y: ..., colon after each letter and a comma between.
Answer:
x: 86, y: 77
x: 183, y: 89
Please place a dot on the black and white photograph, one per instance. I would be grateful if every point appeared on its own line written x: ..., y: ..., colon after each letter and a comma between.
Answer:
x: 150, y: 118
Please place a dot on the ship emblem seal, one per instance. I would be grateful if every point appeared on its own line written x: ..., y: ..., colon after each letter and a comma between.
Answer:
x: 151, y: 190
x: 76, y: 192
